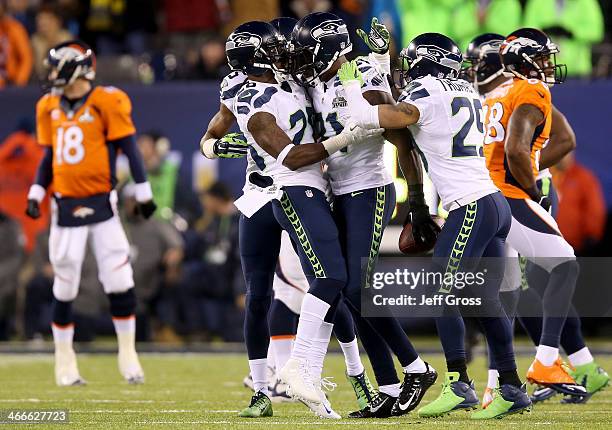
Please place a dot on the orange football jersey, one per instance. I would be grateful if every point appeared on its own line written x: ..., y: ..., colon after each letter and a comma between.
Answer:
x: 81, y: 156
x: 499, y: 106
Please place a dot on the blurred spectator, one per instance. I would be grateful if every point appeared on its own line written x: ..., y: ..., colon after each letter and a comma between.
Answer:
x: 423, y: 16
x: 15, y: 51
x: 474, y: 17
x: 191, y: 22
x: 104, y: 25
x: 22, y: 11
x: 300, y: 8
x: 156, y: 255
x: 249, y: 10
x: 49, y: 33
x: 169, y: 192
x: 211, y: 62
x: 90, y: 308
x: 213, y: 286
x: 582, y: 208
x: 140, y: 25
x: 575, y: 25
x: 19, y: 159
x: 11, y: 254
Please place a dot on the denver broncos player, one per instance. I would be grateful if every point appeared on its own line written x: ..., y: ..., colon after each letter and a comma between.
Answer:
x: 82, y: 128
x: 518, y: 122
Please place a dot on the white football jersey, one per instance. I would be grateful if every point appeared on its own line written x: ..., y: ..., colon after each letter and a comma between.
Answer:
x: 289, y: 109
x: 359, y: 166
x: 450, y: 135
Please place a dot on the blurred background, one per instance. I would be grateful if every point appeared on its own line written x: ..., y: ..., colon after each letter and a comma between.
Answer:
x: 169, y: 57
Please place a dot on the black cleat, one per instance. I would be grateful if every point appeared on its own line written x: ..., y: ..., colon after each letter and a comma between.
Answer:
x: 380, y: 407
x: 413, y: 388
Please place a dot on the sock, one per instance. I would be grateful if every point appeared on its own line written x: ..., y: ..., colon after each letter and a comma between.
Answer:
x: 492, y: 378
x: 270, y: 357
x: 547, y: 354
x: 460, y: 367
x: 417, y: 366
x: 125, y: 328
x: 319, y: 350
x: 311, y: 317
x: 281, y: 345
x: 581, y: 357
x: 354, y: 366
x: 509, y: 377
x: 259, y: 373
x: 62, y: 336
x: 392, y: 390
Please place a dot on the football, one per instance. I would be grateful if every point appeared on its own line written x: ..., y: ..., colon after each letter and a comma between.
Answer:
x: 407, y: 243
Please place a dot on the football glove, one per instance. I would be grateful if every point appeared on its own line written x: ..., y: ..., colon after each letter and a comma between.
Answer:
x: 424, y: 228
x: 542, y: 199
x: 146, y: 209
x: 33, y: 209
x: 232, y: 145
x: 350, y: 72
x: 378, y: 39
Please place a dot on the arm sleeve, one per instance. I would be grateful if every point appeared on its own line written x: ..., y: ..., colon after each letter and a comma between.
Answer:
x: 117, y: 113
x: 127, y: 145
x: 44, y: 174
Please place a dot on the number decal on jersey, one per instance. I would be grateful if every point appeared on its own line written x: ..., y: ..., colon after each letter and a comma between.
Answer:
x: 298, y: 117
x: 258, y: 159
x: 494, y: 129
x: 246, y: 95
x: 69, y: 145
x: 332, y: 119
x: 460, y: 149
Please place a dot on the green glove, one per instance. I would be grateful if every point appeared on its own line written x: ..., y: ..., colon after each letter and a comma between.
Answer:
x: 232, y: 145
x: 379, y: 38
x: 349, y: 72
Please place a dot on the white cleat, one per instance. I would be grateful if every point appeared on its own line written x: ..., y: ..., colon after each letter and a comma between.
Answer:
x: 324, y: 408
x: 66, y: 369
x: 129, y: 367
x: 296, y: 375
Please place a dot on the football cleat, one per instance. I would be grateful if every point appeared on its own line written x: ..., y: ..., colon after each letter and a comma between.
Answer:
x: 66, y: 369
x: 130, y: 368
x: 380, y: 407
x: 278, y: 392
x: 413, y: 389
x: 508, y: 399
x: 455, y: 395
x: 590, y: 376
x: 364, y: 391
x: 260, y: 406
x: 296, y: 374
x: 541, y: 394
x: 323, y: 408
x: 555, y: 377
x: 487, y: 397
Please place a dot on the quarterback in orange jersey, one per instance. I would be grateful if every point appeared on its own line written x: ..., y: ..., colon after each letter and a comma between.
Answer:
x: 518, y: 118
x: 82, y: 128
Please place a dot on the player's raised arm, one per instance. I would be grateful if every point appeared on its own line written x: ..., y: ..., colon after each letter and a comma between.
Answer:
x: 388, y: 116
x: 275, y: 142
x: 562, y: 141
x: 521, y: 128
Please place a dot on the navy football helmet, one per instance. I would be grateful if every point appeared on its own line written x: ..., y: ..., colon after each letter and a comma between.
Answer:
x: 284, y: 25
x: 255, y: 47
x: 69, y: 61
x: 482, y: 57
x: 428, y: 54
x: 528, y: 53
x: 317, y: 41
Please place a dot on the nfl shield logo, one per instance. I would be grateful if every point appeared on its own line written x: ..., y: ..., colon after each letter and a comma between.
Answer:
x: 309, y: 193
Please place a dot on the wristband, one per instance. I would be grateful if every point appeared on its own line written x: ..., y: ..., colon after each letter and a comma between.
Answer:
x: 207, y: 147
x: 384, y: 61
x: 363, y: 113
x: 143, y: 192
x: 336, y: 143
x: 534, y: 193
x: 37, y: 192
x: 416, y: 197
x: 283, y: 154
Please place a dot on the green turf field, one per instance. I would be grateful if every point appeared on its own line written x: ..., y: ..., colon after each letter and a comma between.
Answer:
x: 204, y: 391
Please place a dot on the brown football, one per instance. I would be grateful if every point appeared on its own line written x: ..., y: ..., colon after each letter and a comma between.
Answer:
x: 407, y: 244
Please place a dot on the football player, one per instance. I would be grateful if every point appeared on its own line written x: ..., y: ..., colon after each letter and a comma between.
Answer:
x: 364, y: 195
x: 443, y: 114
x: 83, y: 127
x: 486, y: 72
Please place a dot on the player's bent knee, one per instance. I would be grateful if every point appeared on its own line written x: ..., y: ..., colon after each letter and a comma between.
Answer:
x: 117, y: 280
x: 65, y: 290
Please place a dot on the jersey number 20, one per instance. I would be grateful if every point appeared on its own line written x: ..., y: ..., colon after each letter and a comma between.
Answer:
x: 69, y: 147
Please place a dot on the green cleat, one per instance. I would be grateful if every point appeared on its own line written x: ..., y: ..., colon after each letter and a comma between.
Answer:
x: 364, y: 390
x: 260, y: 406
x: 455, y: 395
x: 507, y: 400
x: 591, y: 376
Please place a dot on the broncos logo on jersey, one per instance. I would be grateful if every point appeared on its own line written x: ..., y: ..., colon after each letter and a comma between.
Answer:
x: 328, y: 28
x: 241, y: 40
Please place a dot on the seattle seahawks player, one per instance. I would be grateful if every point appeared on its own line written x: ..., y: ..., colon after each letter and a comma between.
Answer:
x: 274, y: 121
x: 444, y: 115
x: 364, y: 195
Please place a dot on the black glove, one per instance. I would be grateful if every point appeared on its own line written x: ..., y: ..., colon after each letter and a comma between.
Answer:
x: 536, y: 195
x: 33, y: 209
x: 424, y: 228
x: 146, y: 209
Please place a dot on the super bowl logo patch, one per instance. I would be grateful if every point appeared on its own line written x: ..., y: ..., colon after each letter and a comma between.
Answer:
x: 87, y: 116
x: 339, y: 101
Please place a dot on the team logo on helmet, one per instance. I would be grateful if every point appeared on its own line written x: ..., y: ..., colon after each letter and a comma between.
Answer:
x: 328, y: 28
x: 437, y: 54
x: 241, y: 40
x: 514, y: 45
